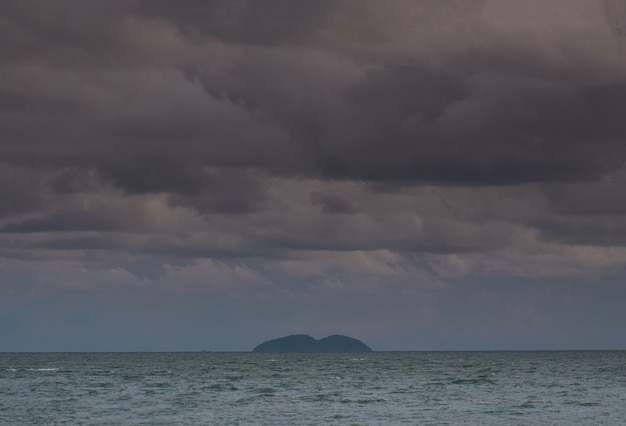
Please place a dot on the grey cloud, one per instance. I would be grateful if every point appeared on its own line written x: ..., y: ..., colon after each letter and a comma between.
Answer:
x: 604, y: 197
x: 72, y: 180
x: 616, y: 15
x: 396, y: 92
x: 65, y: 31
x: 333, y: 204
x: 464, y: 121
x: 244, y: 21
x: 209, y: 104
x: 598, y: 231
x: 21, y: 190
x: 524, y: 131
x: 411, y: 166
x: 76, y: 221
x: 584, y: 212
x: 145, y: 173
x: 226, y: 192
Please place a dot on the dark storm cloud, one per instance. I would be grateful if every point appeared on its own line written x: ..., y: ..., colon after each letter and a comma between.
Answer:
x: 529, y: 130
x: 243, y: 21
x: 66, y: 31
x: 616, y: 15
x: 75, y: 221
x: 20, y: 190
x: 226, y: 192
x: 251, y: 119
x: 408, y: 165
x: 403, y: 122
x: 149, y: 172
x: 482, y: 115
x: 205, y: 101
x: 470, y: 121
x: 333, y: 204
x: 599, y: 231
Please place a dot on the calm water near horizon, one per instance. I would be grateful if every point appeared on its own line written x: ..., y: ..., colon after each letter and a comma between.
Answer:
x: 379, y: 388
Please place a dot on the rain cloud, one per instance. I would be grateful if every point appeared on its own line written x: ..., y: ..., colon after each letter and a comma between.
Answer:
x: 323, y: 166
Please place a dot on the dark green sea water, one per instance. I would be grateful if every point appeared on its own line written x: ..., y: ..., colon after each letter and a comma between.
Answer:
x: 380, y: 388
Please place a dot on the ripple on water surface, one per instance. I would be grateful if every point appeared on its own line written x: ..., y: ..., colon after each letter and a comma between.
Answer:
x: 375, y: 388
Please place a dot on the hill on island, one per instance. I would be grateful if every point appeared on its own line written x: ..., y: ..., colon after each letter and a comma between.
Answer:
x: 305, y: 343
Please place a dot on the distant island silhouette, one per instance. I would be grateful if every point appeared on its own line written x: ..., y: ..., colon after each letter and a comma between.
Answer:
x: 306, y: 343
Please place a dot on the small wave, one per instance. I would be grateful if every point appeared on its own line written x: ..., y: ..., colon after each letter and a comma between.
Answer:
x: 220, y: 387
x: 584, y: 403
x: 473, y: 381
x: 11, y: 369
x: 266, y: 391
x: 322, y: 397
x: 43, y: 369
x: 527, y: 404
x: 363, y: 401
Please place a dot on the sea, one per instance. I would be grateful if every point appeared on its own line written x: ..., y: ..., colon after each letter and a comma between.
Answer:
x: 377, y: 388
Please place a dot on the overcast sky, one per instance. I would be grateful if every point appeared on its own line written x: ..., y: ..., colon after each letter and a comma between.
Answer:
x: 210, y: 174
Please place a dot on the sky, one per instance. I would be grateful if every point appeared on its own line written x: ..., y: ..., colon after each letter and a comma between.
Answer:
x: 210, y: 174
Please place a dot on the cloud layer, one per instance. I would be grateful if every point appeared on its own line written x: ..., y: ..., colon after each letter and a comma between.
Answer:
x: 313, y: 166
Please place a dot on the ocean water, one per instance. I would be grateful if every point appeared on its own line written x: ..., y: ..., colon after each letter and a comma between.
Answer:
x: 379, y: 388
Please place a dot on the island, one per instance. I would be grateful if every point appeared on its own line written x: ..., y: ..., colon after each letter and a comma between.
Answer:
x: 302, y: 343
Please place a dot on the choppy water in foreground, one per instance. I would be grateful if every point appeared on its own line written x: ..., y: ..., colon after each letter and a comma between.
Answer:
x: 381, y: 388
